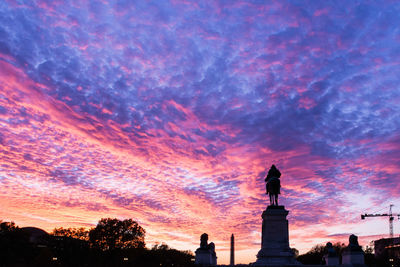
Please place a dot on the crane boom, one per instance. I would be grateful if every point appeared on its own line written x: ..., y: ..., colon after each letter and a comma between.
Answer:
x: 373, y: 215
x: 390, y: 215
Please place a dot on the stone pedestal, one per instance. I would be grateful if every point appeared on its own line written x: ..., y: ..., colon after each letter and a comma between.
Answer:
x: 353, y: 258
x: 331, y: 261
x: 205, y: 258
x: 275, y: 250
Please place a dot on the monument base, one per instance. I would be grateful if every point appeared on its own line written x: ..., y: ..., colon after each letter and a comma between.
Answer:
x: 205, y: 258
x: 331, y: 261
x: 353, y: 258
x: 276, y: 262
x: 275, y: 250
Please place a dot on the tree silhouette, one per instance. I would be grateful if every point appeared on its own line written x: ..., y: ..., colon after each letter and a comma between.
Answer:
x: 111, y: 234
x: 14, y: 244
x: 78, y: 233
x: 163, y: 255
x: 314, y: 256
x: 7, y: 227
x: 111, y: 243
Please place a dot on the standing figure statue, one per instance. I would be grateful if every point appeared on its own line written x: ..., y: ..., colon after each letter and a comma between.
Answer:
x: 273, y: 185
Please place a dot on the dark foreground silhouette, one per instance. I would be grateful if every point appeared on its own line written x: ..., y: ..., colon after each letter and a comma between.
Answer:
x: 111, y: 243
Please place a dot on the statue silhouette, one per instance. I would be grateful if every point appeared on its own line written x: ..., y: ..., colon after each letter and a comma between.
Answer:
x: 273, y: 185
x: 204, y: 241
x: 205, y: 254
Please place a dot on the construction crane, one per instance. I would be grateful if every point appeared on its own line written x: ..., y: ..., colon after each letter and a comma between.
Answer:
x: 390, y: 215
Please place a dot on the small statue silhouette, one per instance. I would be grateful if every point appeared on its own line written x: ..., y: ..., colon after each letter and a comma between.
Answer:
x: 353, y: 243
x: 273, y: 185
x: 205, y: 254
x: 204, y: 241
x: 331, y: 252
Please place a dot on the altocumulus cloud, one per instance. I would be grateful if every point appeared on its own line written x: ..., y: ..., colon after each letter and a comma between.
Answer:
x: 172, y: 111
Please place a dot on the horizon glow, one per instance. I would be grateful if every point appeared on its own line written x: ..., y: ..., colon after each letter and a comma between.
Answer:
x: 171, y: 113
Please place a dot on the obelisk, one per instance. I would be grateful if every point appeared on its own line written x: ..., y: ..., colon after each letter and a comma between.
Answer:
x: 232, y: 250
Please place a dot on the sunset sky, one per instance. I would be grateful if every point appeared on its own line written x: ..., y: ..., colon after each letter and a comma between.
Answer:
x: 171, y: 113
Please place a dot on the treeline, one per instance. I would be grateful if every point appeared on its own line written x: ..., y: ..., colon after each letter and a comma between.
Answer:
x: 111, y: 243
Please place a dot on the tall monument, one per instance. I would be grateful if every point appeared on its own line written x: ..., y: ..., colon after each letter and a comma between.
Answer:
x: 232, y: 250
x: 275, y: 250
